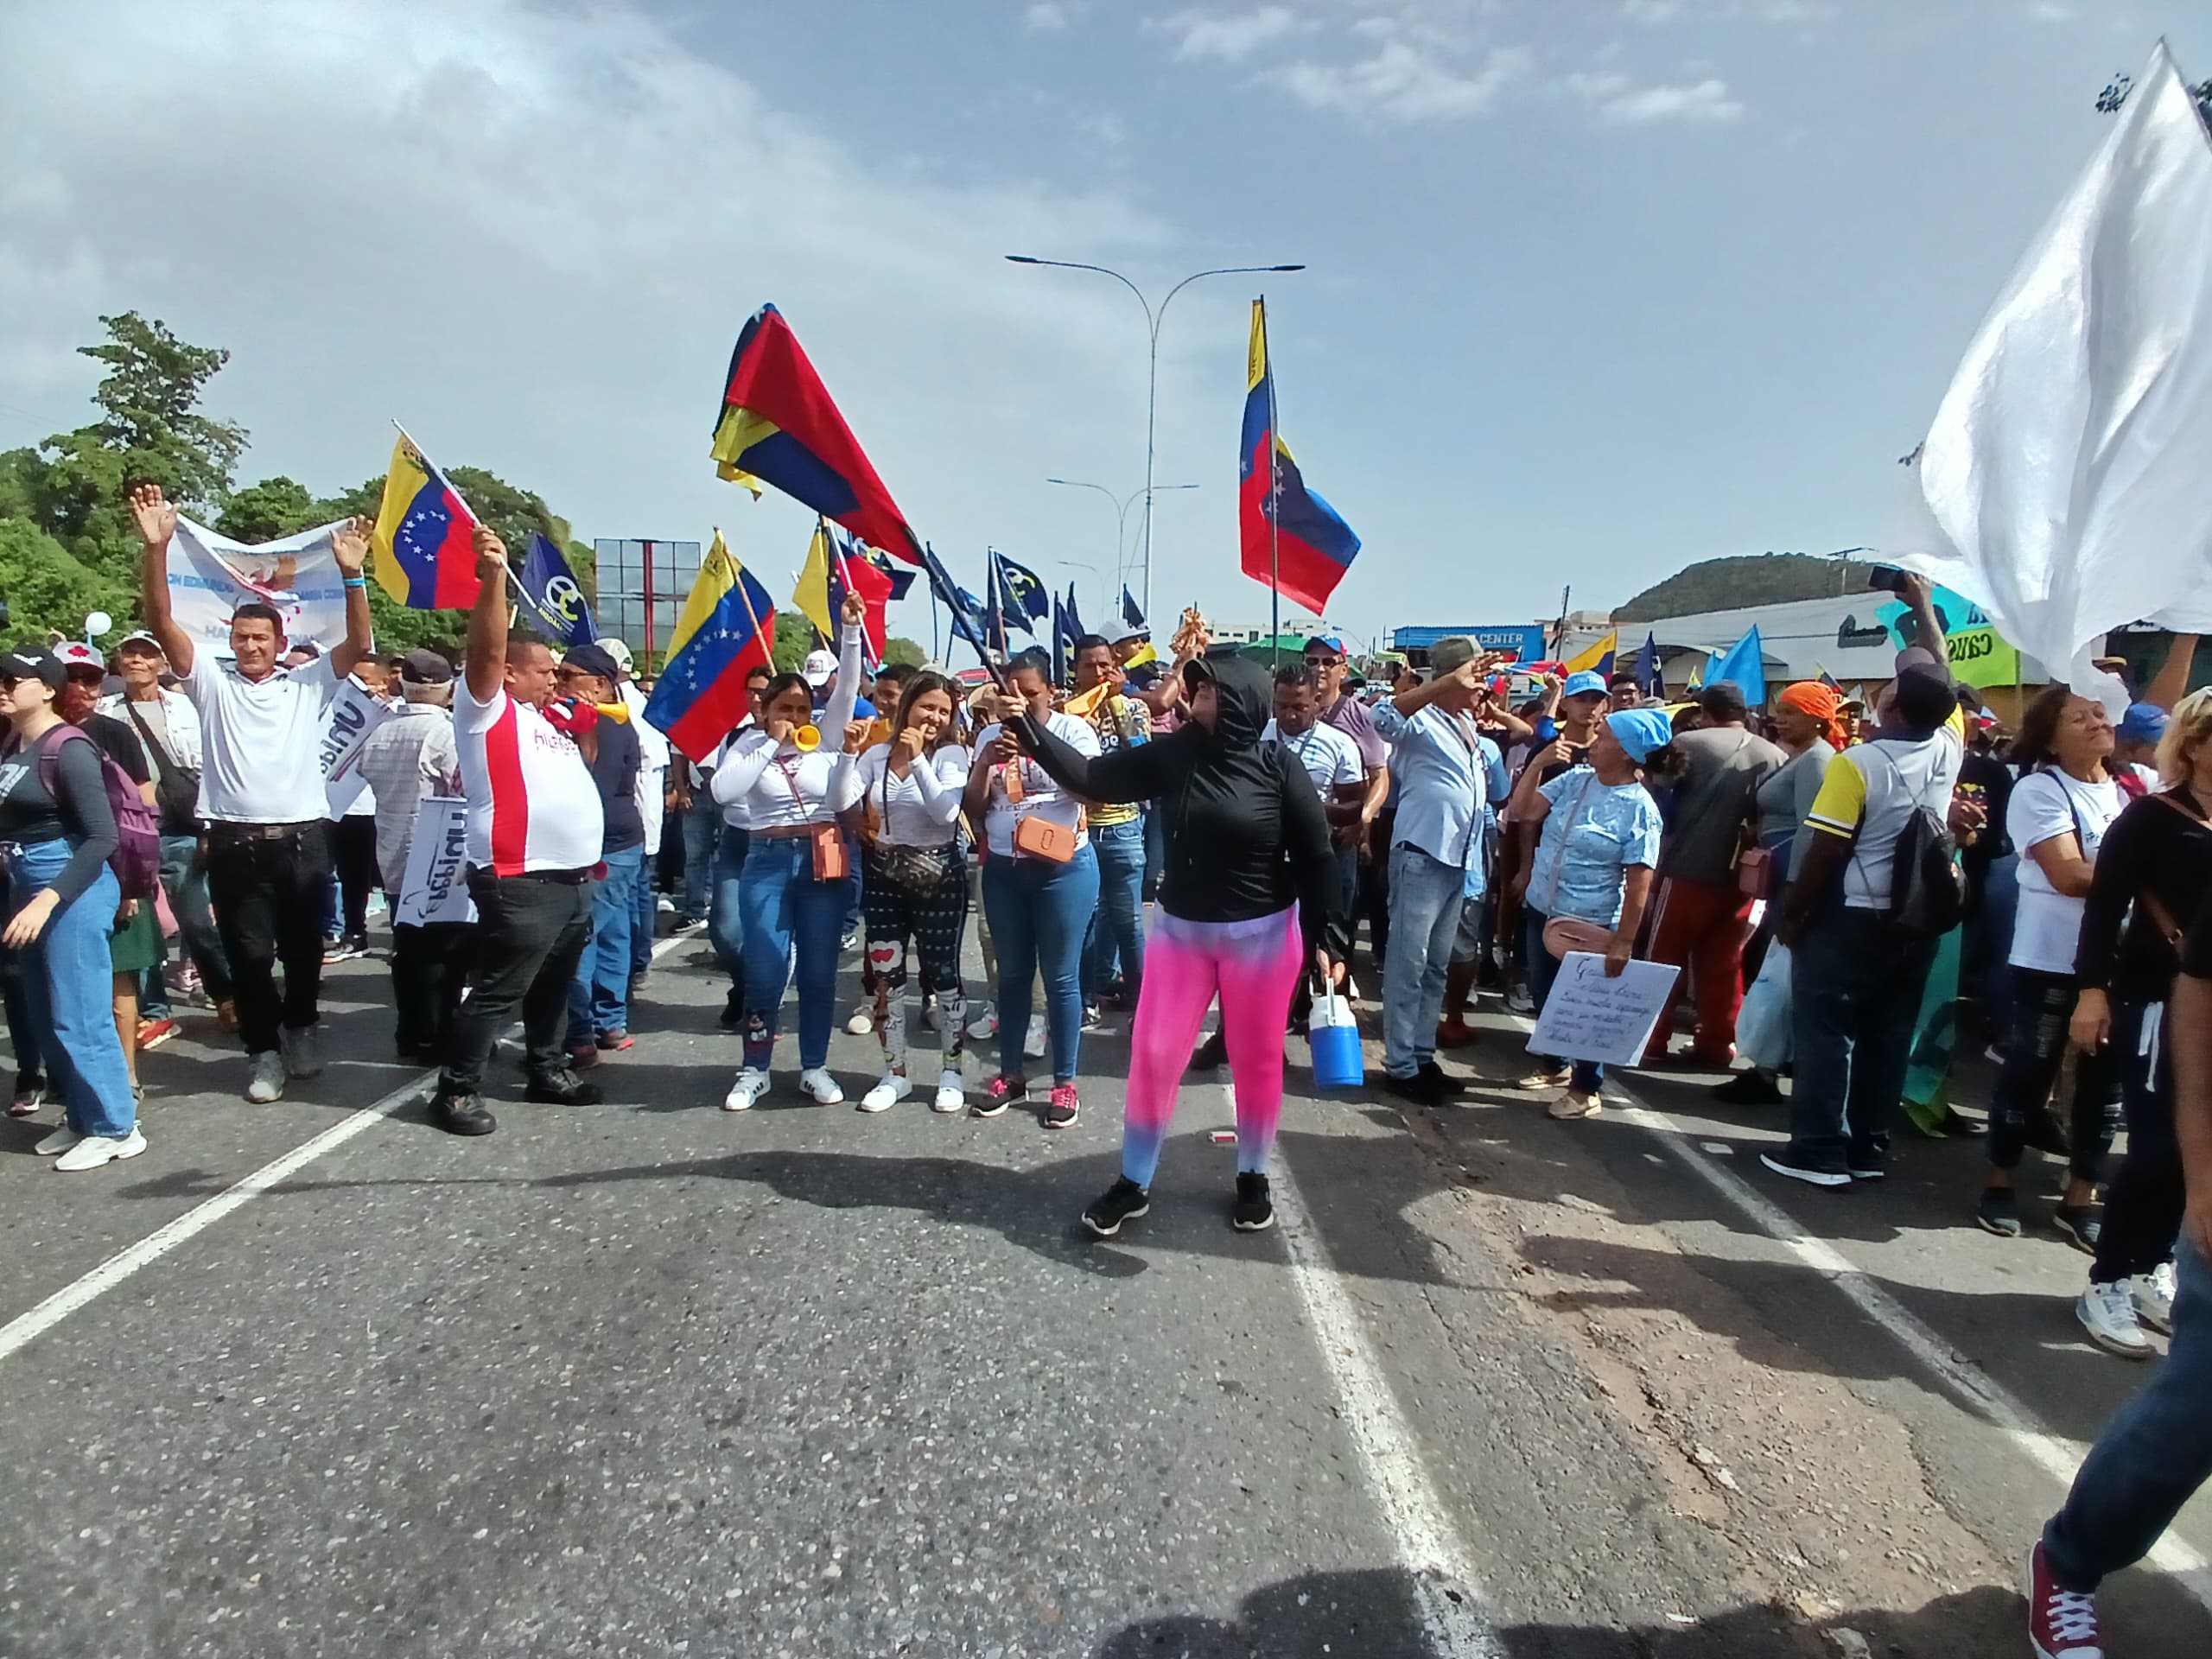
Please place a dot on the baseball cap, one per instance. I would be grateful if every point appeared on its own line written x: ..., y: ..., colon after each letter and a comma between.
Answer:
x: 619, y: 652
x: 2144, y: 723
x: 1325, y: 642
x: 1583, y: 681
x: 144, y: 638
x: 35, y: 665
x: 1916, y: 657
x: 1447, y: 655
x: 1123, y: 634
x: 423, y: 666
x: 75, y: 653
x: 821, y: 668
x: 590, y: 659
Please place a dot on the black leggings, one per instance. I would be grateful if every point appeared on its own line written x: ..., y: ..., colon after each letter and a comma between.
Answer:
x: 2143, y: 1210
x: 892, y: 913
x: 2035, y: 1048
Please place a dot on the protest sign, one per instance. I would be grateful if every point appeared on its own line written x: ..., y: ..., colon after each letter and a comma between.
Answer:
x: 353, y: 713
x: 1590, y: 1017
x: 211, y: 576
x: 435, y: 886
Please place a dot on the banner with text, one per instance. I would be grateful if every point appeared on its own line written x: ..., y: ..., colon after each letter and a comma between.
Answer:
x: 435, y: 886
x: 211, y: 576
x: 352, y: 715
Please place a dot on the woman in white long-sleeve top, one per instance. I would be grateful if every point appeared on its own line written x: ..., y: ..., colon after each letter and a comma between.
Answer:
x: 783, y: 900
x: 914, y: 877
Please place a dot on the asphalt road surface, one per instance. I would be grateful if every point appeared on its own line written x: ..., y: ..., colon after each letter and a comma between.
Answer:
x: 648, y: 1378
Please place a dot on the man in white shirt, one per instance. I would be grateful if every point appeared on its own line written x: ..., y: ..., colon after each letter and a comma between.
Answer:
x: 651, y: 797
x: 261, y: 792
x: 535, y: 827
x: 410, y: 756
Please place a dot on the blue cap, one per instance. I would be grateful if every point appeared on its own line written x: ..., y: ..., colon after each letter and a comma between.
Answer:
x: 1328, y: 641
x: 1641, y: 730
x: 2144, y: 723
x: 1580, y: 684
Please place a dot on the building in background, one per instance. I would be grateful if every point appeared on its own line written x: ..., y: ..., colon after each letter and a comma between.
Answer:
x: 642, y: 588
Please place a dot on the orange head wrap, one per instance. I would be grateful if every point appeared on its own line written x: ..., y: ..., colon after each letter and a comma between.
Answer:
x: 1821, y: 702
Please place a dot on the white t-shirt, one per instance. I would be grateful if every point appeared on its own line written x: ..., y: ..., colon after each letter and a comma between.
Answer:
x: 1041, y: 797
x: 532, y: 804
x: 1871, y: 791
x: 916, y: 810
x: 261, y: 740
x: 652, y: 768
x: 1330, y: 758
x: 2044, y: 806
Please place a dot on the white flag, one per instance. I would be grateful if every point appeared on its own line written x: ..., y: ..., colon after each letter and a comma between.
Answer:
x: 211, y: 576
x: 2063, y: 486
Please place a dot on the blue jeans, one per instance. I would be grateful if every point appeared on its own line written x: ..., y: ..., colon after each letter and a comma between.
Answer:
x: 1117, y: 925
x: 702, y: 834
x: 1543, y: 969
x: 598, y: 993
x: 1039, y: 913
x: 644, y: 913
x: 68, y: 991
x: 783, y: 907
x: 725, y: 920
x: 1426, y: 894
x: 2150, y: 1458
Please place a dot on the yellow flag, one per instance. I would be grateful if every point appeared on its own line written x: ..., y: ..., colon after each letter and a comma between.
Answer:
x: 811, y: 596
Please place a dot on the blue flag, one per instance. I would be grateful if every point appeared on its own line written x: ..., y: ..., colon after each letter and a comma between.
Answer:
x: 1130, y: 614
x: 1070, y: 621
x: 551, y: 588
x: 1650, y: 673
x: 1743, y: 663
x: 1023, y: 599
x: 1059, y: 642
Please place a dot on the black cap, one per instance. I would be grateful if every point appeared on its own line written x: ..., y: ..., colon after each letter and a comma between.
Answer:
x: 591, y: 660
x: 423, y: 666
x: 35, y: 665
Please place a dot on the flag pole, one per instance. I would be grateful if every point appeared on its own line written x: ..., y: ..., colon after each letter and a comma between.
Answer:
x: 744, y: 599
x: 1275, y: 502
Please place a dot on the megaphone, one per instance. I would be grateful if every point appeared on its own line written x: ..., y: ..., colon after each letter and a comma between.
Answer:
x: 807, y: 738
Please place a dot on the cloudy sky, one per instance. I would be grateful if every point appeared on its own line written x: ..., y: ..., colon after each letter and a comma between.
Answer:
x: 1598, y: 287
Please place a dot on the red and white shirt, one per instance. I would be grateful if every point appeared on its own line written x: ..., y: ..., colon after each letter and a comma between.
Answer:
x: 532, y: 804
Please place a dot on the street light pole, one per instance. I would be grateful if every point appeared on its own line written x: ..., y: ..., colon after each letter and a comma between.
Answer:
x: 1120, y: 507
x: 1152, y: 319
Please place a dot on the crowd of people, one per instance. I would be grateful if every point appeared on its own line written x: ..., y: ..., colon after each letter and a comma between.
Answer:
x: 1855, y: 897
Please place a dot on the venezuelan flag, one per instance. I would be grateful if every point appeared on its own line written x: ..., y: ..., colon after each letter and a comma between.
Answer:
x: 778, y: 425
x: 1599, y: 658
x: 1293, y: 540
x: 729, y: 625
x: 423, y: 553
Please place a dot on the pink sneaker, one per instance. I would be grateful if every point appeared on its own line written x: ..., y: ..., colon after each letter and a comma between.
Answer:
x: 1001, y: 1093
x: 2061, y: 1624
x: 1060, y: 1111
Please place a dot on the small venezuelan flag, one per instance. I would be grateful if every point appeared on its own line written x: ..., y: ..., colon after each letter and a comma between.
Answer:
x: 729, y: 625
x: 424, y: 554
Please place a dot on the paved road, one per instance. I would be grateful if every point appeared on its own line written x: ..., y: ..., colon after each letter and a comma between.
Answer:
x: 648, y: 1378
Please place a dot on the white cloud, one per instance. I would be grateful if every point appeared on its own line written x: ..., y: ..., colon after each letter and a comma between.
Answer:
x: 2049, y: 11
x: 1614, y: 99
x: 1657, y: 14
x: 533, y: 235
x: 1046, y: 15
x: 1401, y: 83
x: 1653, y: 13
x: 1109, y: 129
x: 1232, y: 36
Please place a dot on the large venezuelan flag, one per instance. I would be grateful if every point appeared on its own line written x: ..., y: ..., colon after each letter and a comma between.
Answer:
x: 423, y: 553
x: 777, y: 425
x: 727, y: 627
x: 1292, y: 538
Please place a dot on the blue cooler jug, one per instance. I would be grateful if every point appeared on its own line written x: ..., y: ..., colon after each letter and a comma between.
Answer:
x: 1334, y: 1037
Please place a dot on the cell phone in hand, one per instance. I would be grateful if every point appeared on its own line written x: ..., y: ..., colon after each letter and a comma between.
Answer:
x: 1886, y: 578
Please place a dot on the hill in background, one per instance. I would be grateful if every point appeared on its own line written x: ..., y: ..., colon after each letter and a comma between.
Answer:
x: 1752, y: 579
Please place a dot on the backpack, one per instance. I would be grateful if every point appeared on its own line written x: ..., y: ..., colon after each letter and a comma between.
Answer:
x: 137, y: 860
x: 1928, y: 891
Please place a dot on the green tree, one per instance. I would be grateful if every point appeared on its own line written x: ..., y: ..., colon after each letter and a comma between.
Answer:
x: 46, y: 588
x: 149, y: 402
x: 900, y: 648
x: 794, y: 639
x: 262, y: 512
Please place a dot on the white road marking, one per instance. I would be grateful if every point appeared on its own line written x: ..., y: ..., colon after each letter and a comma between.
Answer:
x: 1446, y: 1590
x: 26, y: 1328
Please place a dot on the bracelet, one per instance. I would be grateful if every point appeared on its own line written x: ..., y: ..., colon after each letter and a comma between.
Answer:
x: 357, y: 582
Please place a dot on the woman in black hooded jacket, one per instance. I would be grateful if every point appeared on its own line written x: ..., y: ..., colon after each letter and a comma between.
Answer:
x: 1244, y: 899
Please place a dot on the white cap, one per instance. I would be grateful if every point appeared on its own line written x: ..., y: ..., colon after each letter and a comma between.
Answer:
x: 619, y: 652
x: 821, y: 668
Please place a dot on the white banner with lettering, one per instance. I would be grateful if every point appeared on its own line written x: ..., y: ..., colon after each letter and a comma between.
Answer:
x: 353, y: 715
x: 435, y: 887
x: 1589, y: 1016
x: 211, y: 576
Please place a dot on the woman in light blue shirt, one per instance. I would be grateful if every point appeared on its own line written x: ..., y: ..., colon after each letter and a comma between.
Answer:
x: 1599, y: 831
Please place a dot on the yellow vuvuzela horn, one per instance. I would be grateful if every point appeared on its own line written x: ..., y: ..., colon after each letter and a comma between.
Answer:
x: 617, y: 712
x: 807, y: 738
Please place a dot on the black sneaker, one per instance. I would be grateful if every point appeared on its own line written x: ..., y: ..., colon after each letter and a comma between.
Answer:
x: 1998, y: 1212
x: 732, y: 1017
x: 1211, y: 1054
x: 1440, y: 1080
x: 1123, y: 1201
x: 1255, y: 1210
x: 1061, y: 1111
x: 562, y: 1088
x: 462, y: 1115
x: 1418, y: 1088
x: 1751, y: 1088
x: 2081, y: 1223
x: 1807, y: 1173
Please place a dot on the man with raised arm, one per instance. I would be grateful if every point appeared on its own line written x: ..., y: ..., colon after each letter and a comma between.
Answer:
x: 261, y: 792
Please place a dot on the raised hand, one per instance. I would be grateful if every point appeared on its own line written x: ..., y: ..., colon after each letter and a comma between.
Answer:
x: 491, y: 554
x: 857, y: 733
x: 153, y: 515
x: 908, y: 745
x: 349, y: 544
x: 854, y: 611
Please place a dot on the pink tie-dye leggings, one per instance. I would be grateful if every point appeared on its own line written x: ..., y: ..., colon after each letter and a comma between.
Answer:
x: 1253, y: 966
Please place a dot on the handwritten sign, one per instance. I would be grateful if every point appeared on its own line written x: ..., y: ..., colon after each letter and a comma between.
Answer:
x: 435, y: 888
x: 1590, y: 1017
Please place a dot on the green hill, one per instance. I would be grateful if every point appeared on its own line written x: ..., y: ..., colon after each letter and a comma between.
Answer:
x: 1753, y: 579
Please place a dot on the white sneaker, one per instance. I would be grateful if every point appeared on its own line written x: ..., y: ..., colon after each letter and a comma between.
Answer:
x: 2107, y: 1313
x: 751, y: 1084
x: 886, y: 1094
x: 985, y: 1024
x: 60, y: 1141
x: 2153, y: 1292
x: 1034, y: 1044
x: 820, y: 1086
x: 95, y: 1150
x: 949, y: 1099
x: 268, y: 1082
x: 302, y: 1047
x: 860, y: 1024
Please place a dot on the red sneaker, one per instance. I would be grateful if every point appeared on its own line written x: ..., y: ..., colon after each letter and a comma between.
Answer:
x: 152, y: 1034
x: 613, y: 1042
x: 1001, y: 1093
x: 2061, y: 1624
x: 1453, y: 1032
x: 583, y: 1056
